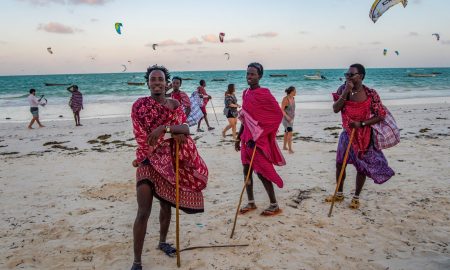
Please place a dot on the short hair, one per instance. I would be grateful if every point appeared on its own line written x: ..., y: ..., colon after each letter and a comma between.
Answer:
x: 150, y: 69
x: 75, y: 87
x: 361, y: 69
x: 258, y: 67
x: 32, y: 90
x: 177, y: 78
x: 202, y: 82
x: 230, y: 89
x: 289, y: 90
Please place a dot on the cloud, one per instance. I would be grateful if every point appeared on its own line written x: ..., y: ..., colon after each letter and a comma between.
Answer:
x: 89, y: 2
x: 375, y: 43
x: 58, y: 28
x: 266, y: 34
x: 413, y: 34
x: 193, y: 41
x: 445, y: 42
x: 63, y: 2
x: 211, y: 38
x: 417, y: 1
x: 342, y: 27
x: 3, y: 42
x: 303, y: 32
x: 94, y: 20
x: 234, y: 40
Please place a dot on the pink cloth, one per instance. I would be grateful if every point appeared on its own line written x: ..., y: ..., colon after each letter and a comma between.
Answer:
x: 262, y: 109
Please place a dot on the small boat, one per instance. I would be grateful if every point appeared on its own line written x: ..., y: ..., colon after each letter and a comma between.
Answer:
x: 278, y: 75
x: 437, y: 73
x: 421, y: 75
x: 57, y: 84
x: 218, y: 80
x: 136, y: 83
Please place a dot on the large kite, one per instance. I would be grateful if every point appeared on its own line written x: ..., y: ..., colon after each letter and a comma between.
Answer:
x: 118, y: 26
x: 381, y: 6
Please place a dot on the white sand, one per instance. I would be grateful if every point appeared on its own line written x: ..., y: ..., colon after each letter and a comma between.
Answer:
x: 74, y: 209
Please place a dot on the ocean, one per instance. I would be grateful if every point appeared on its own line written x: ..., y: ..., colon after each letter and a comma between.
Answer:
x: 109, y: 95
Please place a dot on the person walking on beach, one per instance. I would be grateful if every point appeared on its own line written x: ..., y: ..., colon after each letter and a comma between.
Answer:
x: 360, y: 108
x: 34, y: 108
x: 158, y: 123
x: 288, y: 109
x: 202, y: 93
x: 181, y: 96
x: 76, y: 103
x: 230, y: 110
x: 261, y: 116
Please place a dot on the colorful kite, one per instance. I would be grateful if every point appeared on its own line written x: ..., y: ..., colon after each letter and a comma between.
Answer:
x: 221, y: 37
x: 381, y: 6
x: 118, y: 26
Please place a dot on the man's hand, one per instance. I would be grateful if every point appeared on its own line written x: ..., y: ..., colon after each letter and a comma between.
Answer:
x: 355, y: 124
x: 237, y: 145
x: 179, y: 138
x: 154, y: 136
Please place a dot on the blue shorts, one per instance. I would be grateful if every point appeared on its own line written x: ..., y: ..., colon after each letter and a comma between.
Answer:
x: 34, y: 111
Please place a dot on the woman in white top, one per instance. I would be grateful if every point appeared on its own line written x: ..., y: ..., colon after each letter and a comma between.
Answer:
x: 34, y: 108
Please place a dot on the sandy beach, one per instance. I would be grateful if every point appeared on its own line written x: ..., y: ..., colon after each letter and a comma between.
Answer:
x: 68, y: 200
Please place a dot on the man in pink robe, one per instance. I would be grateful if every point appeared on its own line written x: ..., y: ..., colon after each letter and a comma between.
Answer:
x: 261, y: 116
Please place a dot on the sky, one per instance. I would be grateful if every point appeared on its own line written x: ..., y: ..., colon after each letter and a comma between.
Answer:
x: 284, y: 34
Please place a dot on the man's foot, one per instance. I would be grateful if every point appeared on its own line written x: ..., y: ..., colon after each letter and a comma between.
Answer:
x: 41, y: 126
x: 136, y: 266
x: 285, y: 148
x: 211, y: 128
x: 291, y: 152
x: 339, y: 198
x: 354, y: 204
x: 168, y: 249
x: 249, y: 207
x: 200, y: 130
x: 272, y: 210
x: 30, y: 127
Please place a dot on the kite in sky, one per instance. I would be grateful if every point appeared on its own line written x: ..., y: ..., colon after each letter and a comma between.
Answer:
x: 221, y: 37
x: 228, y: 55
x: 118, y: 27
x: 49, y: 50
x: 379, y: 7
x: 438, y: 37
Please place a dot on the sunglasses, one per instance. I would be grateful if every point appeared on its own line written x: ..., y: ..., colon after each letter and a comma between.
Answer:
x: 350, y: 75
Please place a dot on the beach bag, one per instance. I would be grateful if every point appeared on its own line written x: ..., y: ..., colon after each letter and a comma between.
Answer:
x: 386, y: 133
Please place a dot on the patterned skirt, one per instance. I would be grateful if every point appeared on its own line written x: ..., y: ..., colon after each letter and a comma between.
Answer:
x: 191, y: 202
x: 373, y: 164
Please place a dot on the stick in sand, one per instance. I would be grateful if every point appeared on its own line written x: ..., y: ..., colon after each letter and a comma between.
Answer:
x: 344, y: 164
x: 242, y: 192
x: 215, y: 113
x: 177, y: 200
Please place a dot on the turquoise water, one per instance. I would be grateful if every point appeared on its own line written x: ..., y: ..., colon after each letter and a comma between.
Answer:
x: 110, y: 89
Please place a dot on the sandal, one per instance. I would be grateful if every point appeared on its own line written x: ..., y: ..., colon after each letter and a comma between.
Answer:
x: 354, y: 203
x: 136, y: 266
x: 272, y: 210
x: 200, y: 130
x: 168, y: 249
x: 338, y: 198
x: 248, y: 208
x: 211, y: 128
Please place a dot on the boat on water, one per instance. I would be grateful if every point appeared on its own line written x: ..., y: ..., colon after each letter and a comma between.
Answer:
x: 316, y: 76
x: 421, y: 75
x: 278, y: 75
x: 136, y: 83
x: 218, y: 80
x: 57, y: 84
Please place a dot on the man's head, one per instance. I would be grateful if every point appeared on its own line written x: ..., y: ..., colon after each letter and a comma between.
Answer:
x: 202, y: 83
x: 176, y: 83
x: 157, y: 78
x: 255, y: 72
x: 75, y: 87
x: 356, y: 73
x: 33, y: 91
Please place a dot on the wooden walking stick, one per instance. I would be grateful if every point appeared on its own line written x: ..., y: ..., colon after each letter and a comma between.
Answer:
x: 344, y: 164
x: 242, y: 192
x: 215, y: 113
x: 177, y: 200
